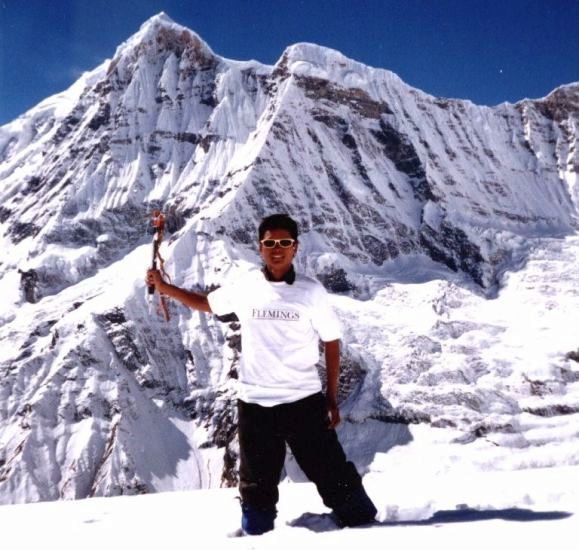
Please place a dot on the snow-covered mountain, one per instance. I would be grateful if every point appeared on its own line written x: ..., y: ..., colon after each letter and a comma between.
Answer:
x: 446, y: 228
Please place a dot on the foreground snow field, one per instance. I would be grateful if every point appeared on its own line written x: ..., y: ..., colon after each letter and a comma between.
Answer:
x: 525, y: 509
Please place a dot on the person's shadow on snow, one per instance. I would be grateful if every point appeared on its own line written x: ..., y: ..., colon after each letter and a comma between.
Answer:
x: 325, y: 522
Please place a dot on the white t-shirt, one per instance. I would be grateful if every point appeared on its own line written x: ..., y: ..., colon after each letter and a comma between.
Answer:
x: 281, y: 326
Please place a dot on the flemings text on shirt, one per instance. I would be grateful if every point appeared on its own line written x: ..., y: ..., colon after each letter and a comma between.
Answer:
x: 275, y: 314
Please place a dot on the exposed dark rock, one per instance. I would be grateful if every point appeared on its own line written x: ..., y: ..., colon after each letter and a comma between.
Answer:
x: 403, y: 416
x: 552, y: 410
x: 123, y: 338
x: 80, y: 232
x: 187, y: 137
x: 34, y: 184
x: 569, y: 376
x: 358, y: 100
x: 44, y: 328
x: 451, y: 246
x: 352, y: 373
x: 230, y: 473
x: 558, y: 105
x: 399, y: 149
x: 5, y: 214
x: 329, y: 119
x: 234, y: 342
x: 82, y: 413
x: 115, y: 316
x: 206, y: 141
x: 68, y: 124
x: 29, y: 284
x: 54, y: 339
x: 102, y: 117
x: 485, y: 429
x: 224, y: 421
x: 18, y: 231
x: 335, y: 280
x: 378, y: 250
x: 541, y: 388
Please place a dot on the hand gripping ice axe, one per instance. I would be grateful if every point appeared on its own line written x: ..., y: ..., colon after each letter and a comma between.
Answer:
x: 158, y: 264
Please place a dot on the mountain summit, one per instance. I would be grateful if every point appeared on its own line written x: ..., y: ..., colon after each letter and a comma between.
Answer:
x: 390, y: 185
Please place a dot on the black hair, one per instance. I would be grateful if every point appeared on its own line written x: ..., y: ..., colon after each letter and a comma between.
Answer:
x: 278, y: 221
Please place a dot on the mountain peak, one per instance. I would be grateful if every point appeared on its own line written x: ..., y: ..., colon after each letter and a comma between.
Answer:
x: 160, y: 32
x: 315, y: 55
x: 160, y: 18
x: 160, y: 22
x: 312, y: 60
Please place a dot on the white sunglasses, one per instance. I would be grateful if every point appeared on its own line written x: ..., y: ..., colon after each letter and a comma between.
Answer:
x: 283, y: 243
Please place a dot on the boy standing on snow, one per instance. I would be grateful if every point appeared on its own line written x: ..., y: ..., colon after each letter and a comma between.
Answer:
x: 283, y: 316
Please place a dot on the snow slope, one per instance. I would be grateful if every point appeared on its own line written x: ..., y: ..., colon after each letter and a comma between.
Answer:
x: 478, y: 510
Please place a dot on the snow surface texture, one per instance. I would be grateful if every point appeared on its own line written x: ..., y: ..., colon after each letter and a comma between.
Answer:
x: 526, y: 509
x: 445, y: 230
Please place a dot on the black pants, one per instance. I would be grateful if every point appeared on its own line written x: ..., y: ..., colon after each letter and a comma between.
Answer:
x: 263, y: 433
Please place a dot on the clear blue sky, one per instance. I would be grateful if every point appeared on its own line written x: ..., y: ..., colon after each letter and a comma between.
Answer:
x: 488, y: 51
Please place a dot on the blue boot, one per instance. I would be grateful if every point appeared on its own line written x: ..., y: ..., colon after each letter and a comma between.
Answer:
x: 256, y: 521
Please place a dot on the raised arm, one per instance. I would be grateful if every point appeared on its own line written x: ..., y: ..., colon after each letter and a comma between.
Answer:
x: 193, y: 300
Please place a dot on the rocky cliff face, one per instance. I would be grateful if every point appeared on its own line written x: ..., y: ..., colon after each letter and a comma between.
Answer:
x: 99, y: 398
